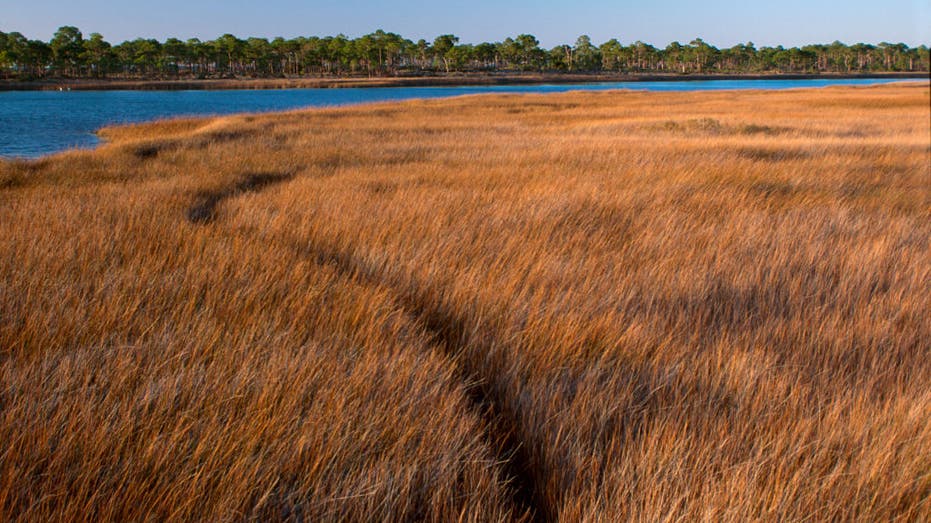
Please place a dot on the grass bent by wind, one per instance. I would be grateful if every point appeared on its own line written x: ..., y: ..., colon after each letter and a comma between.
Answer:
x: 597, y: 306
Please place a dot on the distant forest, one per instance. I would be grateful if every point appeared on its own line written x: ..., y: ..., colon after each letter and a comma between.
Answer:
x: 70, y: 55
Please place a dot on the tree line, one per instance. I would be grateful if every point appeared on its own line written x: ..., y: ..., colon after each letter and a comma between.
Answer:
x: 69, y: 54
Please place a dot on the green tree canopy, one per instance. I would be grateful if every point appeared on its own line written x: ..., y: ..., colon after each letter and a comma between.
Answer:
x: 69, y: 54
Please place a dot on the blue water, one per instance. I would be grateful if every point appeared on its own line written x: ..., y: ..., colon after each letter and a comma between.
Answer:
x: 34, y: 123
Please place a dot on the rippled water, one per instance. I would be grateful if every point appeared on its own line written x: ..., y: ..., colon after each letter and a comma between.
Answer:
x: 34, y: 123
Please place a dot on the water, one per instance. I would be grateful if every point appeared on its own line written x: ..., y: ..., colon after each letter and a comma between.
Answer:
x: 34, y: 123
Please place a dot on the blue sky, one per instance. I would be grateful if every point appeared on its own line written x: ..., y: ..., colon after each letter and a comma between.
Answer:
x: 787, y: 22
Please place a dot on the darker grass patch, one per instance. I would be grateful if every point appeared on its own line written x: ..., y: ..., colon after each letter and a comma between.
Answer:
x: 852, y: 190
x: 696, y: 125
x: 773, y: 189
x: 761, y: 154
x: 204, y: 209
x: 381, y: 187
x: 766, y: 130
x: 8, y: 180
x: 711, y: 126
x: 16, y: 172
x: 226, y: 136
x: 152, y: 150
x: 10, y: 176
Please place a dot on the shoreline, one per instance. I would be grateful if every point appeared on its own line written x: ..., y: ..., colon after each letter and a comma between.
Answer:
x: 409, y: 81
x: 101, y: 140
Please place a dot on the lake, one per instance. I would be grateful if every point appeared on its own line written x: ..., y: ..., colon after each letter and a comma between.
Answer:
x: 35, y: 123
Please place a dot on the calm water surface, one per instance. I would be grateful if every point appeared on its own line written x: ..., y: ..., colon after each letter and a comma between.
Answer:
x: 34, y: 123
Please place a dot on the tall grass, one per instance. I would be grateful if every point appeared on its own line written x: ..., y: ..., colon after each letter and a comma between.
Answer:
x: 585, y: 306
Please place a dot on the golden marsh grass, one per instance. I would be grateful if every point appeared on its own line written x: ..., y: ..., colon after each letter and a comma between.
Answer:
x: 585, y: 307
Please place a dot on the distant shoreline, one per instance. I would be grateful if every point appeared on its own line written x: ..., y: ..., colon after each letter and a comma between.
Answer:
x: 409, y: 81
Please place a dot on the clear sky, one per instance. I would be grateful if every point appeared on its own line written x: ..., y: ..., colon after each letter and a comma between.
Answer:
x: 721, y: 23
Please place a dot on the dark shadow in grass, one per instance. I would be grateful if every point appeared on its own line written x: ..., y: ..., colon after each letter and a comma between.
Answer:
x: 761, y: 154
x: 450, y: 334
x: 150, y: 150
x: 147, y: 151
x: 204, y: 209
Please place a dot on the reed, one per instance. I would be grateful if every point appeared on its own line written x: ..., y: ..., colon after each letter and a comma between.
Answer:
x: 595, y: 306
